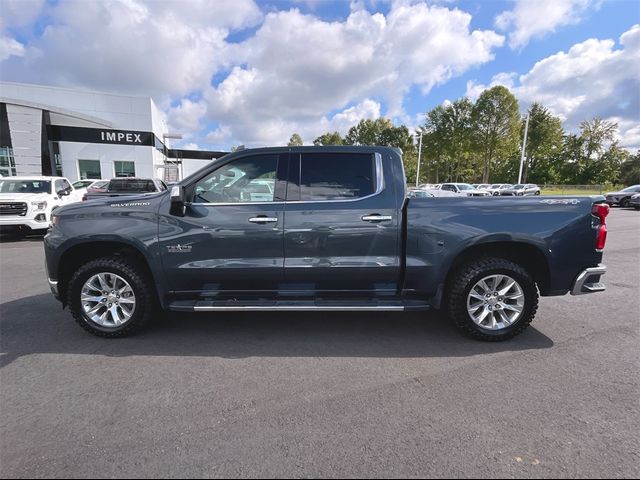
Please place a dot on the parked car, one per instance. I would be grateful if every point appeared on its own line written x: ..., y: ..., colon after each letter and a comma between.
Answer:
x: 436, y: 192
x: 82, y: 186
x: 126, y: 186
x: 520, y: 190
x: 99, y: 186
x: 464, y: 189
x: 26, y: 203
x: 419, y: 193
x: 496, y: 188
x: 350, y: 240
x: 623, y: 196
x: 634, y: 201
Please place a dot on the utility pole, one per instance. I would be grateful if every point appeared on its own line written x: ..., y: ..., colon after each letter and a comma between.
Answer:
x: 419, y: 157
x: 524, y: 145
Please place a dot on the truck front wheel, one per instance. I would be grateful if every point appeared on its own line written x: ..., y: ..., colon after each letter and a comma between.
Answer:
x: 111, y: 297
x: 492, y: 299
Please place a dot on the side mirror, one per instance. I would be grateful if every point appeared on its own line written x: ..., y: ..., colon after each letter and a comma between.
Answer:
x: 63, y: 193
x: 177, y: 201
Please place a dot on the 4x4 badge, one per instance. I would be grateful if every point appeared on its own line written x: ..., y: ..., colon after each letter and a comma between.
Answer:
x: 179, y: 248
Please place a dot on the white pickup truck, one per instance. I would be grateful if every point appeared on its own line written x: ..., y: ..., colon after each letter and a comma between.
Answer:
x: 26, y: 203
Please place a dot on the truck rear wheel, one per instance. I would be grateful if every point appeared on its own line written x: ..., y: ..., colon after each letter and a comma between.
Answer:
x: 492, y: 299
x: 111, y: 297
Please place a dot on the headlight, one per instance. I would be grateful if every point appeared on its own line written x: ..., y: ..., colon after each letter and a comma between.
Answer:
x: 40, y: 205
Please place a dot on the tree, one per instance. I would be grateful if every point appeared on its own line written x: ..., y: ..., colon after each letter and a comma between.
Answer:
x: 593, y: 156
x: 496, y: 123
x: 383, y: 132
x: 329, y: 138
x: 295, y: 141
x: 380, y: 131
x: 544, y: 142
x: 630, y: 170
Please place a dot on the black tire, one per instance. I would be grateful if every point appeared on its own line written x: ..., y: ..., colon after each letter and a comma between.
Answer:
x: 467, y: 275
x: 537, y: 192
x: 624, y: 203
x: 138, y: 280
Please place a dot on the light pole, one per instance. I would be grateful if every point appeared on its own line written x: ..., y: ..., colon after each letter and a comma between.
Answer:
x: 419, y: 157
x: 524, y: 145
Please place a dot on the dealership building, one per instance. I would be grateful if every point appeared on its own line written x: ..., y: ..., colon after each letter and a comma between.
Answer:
x: 88, y: 135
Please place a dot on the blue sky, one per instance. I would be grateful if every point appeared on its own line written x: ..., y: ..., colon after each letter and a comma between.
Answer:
x: 252, y: 72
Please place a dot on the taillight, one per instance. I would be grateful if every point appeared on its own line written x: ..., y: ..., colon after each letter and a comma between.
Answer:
x: 601, y: 210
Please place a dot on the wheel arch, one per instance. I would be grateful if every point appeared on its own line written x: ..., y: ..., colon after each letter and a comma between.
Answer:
x: 80, y: 253
x: 531, y: 257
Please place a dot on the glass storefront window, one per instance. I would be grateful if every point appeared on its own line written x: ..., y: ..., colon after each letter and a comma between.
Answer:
x: 89, y: 169
x: 125, y: 169
x: 7, y: 162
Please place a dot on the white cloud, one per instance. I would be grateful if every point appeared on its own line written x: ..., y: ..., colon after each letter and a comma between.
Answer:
x: 530, y: 19
x: 10, y: 47
x: 14, y: 15
x: 474, y: 89
x: 593, y: 78
x: 286, y: 76
x: 187, y: 115
x: 298, y: 67
x: 133, y: 46
x: 191, y: 146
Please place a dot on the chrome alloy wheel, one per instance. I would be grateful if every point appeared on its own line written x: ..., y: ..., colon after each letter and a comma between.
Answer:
x: 495, y: 302
x: 108, y: 300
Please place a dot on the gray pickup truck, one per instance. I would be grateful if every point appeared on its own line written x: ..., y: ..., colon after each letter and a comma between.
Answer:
x: 321, y: 229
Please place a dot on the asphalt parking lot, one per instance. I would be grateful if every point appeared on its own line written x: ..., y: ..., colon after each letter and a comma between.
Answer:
x: 339, y: 395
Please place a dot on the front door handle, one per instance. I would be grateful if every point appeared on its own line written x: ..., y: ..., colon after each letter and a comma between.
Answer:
x: 377, y: 218
x: 263, y: 219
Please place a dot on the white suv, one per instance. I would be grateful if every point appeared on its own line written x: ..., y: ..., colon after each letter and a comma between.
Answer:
x: 26, y: 203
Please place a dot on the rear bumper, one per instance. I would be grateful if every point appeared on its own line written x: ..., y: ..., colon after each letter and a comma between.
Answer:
x: 53, y: 286
x: 588, y: 281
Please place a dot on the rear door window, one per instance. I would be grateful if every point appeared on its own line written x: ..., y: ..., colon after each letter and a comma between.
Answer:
x: 336, y: 176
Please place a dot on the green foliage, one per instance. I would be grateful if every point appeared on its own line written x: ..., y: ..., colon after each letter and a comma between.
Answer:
x: 544, y: 143
x: 480, y: 142
x: 593, y: 156
x: 295, y: 141
x: 329, y: 138
x: 496, y: 125
x: 383, y: 132
x: 630, y: 170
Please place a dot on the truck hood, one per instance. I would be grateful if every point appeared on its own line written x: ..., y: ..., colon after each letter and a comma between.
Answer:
x: 23, y: 197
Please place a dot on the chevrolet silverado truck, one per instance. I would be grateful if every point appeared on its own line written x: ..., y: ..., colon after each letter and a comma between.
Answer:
x: 336, y: 232
x: 26, y: 203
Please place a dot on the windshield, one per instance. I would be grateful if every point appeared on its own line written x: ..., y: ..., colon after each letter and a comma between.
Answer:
x: 496, y: 185
x: 101, y: 184
x: 634, y: 188
x: 82, y: 183
x: 518, y: 186
x: 25, y: 186
x: 465, y: 186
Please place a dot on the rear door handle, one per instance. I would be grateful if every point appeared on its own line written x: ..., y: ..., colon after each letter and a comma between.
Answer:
x: 377, y: 218
x: 263, y: 219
